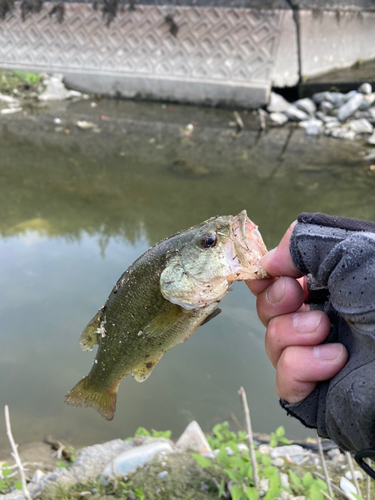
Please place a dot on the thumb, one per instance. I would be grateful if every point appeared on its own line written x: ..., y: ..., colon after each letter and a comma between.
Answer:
x: 278, y: 262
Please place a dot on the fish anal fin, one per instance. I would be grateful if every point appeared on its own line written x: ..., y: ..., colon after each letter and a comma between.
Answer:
x: 83, y: 394
x: 89, y: 337
x: 163, y: 322
x: 211, y: 316
x: 143, y: 371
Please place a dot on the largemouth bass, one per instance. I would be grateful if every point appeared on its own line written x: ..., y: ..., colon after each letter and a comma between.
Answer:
x: 161, y: 299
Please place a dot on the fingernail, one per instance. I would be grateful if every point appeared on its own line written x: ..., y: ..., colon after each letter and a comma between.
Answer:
x: 275, y: 292
x: 328, y: 352
x: 307, y: 322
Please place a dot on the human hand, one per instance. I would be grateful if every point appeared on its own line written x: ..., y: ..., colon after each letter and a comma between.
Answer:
x: 294, y: 333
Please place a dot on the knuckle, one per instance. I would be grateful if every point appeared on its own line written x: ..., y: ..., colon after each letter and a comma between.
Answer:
x: 272, y: 335
x: 286, y: 362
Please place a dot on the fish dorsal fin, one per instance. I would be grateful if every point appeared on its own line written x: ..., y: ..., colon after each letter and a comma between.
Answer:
x: 142, y: 372
x: 163, y: 322
x: 90, y: 335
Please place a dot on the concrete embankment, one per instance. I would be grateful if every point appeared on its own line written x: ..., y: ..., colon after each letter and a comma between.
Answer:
x: 227, y: 52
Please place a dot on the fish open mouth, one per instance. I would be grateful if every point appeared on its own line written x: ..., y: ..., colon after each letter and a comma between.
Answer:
x: 248, y: 248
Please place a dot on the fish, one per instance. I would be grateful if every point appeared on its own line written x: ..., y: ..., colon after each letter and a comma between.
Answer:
x: 161, y: 299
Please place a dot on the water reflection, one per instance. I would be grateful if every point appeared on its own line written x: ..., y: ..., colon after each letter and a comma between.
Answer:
x: 77, y: 209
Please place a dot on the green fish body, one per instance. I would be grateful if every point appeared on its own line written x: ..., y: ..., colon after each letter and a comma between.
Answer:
x: 160, y: 300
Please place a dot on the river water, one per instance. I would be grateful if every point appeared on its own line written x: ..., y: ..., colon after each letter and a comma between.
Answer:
x: 78, y: 206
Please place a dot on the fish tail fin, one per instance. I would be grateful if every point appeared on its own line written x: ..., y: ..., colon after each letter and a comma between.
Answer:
x: 83, y: 394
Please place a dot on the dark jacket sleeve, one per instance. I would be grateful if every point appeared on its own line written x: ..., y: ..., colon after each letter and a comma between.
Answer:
x: 338, y: 255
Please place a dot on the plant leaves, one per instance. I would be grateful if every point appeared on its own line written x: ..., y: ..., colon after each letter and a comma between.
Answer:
x: 202, y: 461
x: 222, y: 456
x: 295, y: 479
x: 221, y: 488
x: 62, y: 465
x: 280, y: 432
x: 4, y: 470
x: 266, y: 459
x: 234, y: 475
x: 141, y: 431
x: 163, y: 434
x: 18, y: 485
x: 251, y: 493
x: 307, y: 480
x: 236, y: 492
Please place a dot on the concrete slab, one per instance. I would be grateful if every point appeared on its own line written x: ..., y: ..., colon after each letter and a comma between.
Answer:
x: 219, y: 55
x: 332, y: 39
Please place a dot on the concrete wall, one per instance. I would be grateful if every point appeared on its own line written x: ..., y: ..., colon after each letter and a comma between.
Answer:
x: 231, y: 52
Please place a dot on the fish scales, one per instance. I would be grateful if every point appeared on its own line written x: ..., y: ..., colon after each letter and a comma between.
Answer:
x: 160, y: 300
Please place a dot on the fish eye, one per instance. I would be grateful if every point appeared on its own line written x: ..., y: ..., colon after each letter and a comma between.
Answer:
x: 209, y: 241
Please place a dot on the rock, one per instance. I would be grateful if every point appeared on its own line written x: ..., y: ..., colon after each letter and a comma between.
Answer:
x: 337, y: 99
x: 13, y: 495
x: 368, y: 101
x: 74, y: 94
x: 163, y: 474
x: 306, y: 105
x: 321, y: 96
x: 293, y: 452
x: 348, y: 487
x: 326, y: 107
x: 371, y: 140
x: 335, y: 455
x: 362, y: 114
x: 264, y: 484
x: 294, y: 114
x: 284, y: 480
x: 342, y: 133
x: 83, y: 124
x: 284, y: 495
x: 371, y: 111
x: 265, y: 449
x: 330, y: 119
x: 361, y: 126
x: 134, y: 457
x: 350, y: 107
x: 278, y: 462
x: 193, y: 439
x: 357, y: 474
x: 314, y: 127
x: 55, y: 90
x: 242, y: 447
x: 370, y: 156
x: 8, y: 99
x: 37, y: 476
x: 277, y: 103
x: 349, y: 95
x: 10, y: 111
x: 332, y: 124
x: 365, y: 88
x: 277, y: 118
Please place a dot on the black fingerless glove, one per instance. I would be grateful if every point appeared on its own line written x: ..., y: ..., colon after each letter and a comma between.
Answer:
x: 338, y: 255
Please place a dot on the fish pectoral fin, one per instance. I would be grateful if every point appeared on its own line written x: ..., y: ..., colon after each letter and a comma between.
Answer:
x: 163, y: 322
x: 89, y: 336
x: 142, y: 372
x: 211, y: 316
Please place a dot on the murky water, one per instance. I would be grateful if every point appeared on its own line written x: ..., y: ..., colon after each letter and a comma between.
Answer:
x: 78, y: 206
